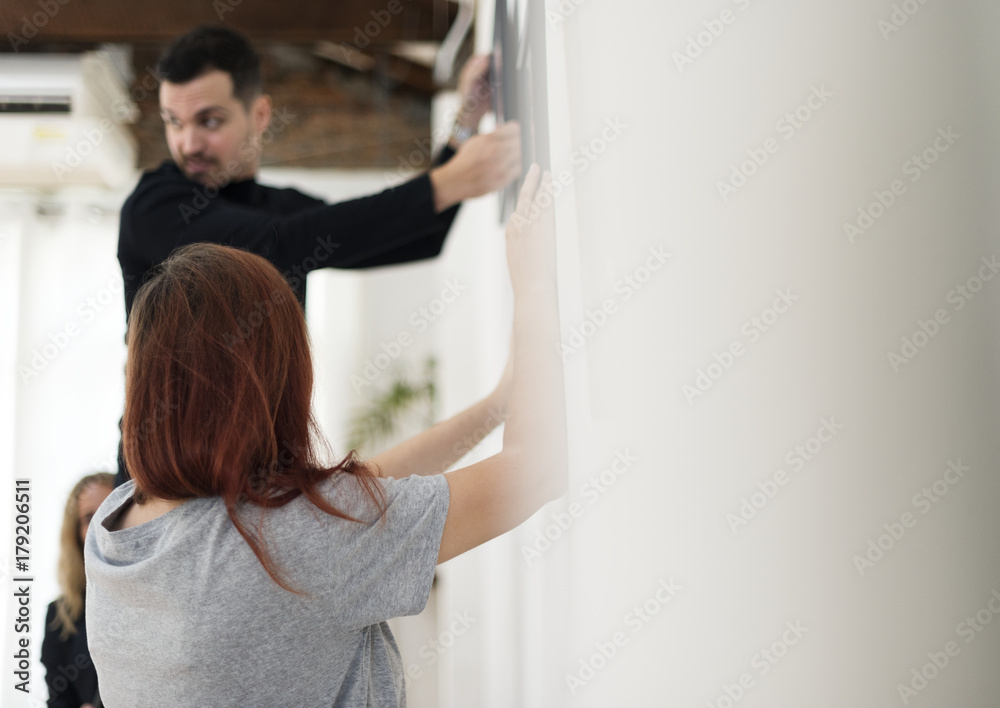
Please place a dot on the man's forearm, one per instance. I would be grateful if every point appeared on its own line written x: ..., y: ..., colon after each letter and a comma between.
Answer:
x: 448, y: 191
x: 440, y: 446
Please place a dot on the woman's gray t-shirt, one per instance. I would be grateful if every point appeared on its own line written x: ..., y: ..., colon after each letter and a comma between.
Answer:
x: 181, y: 613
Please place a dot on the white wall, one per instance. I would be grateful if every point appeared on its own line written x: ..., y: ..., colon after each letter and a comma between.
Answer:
x: 665, y: 518
x: 63, y: 346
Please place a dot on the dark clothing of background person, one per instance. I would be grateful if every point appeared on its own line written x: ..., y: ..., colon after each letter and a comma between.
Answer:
x: 69, y: 672
x: 296, y: 232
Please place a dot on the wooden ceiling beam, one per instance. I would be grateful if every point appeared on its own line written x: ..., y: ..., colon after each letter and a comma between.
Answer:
x: 389, y: 67
x: 355, y: 23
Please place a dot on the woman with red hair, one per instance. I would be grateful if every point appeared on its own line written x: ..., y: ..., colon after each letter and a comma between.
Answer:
x: 238, y: 567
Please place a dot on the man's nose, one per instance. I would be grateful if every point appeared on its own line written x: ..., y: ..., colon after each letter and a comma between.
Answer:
x: 190, y: 141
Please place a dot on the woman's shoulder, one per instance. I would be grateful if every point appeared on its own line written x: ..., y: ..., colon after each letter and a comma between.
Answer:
x: 415, y: 489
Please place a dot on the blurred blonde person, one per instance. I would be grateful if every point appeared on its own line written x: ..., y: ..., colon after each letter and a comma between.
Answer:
x: 69, y: 672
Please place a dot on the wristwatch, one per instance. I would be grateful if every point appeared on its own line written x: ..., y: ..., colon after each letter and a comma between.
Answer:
x: 461, y: 133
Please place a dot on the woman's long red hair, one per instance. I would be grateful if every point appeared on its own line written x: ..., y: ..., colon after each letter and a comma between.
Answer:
x: 218, y: 390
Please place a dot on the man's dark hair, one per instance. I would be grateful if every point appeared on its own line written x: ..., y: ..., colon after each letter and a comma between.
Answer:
x: 211, y: 47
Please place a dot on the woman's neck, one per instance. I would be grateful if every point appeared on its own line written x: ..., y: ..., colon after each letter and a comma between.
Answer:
x: 136, y: 514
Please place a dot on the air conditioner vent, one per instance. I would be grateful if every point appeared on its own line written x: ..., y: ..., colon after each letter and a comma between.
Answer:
x: 63, y: 122
x: 36, y: 104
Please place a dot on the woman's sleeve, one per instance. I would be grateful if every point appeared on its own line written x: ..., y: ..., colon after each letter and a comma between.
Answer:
x: 386, y: 569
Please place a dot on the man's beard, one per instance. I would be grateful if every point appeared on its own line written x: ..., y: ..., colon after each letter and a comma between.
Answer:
x: 203, y: 170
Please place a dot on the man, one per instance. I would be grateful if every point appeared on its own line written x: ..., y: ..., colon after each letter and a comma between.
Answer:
x: 215, y: 113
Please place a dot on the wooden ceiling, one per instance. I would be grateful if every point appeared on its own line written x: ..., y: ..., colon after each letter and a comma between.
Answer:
x: 359, y: 101
x: 157, y: 21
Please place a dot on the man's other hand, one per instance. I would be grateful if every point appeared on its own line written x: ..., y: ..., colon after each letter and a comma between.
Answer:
x: 475, y: 91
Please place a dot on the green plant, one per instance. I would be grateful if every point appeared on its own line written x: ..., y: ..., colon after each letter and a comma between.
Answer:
x: 389, y: 409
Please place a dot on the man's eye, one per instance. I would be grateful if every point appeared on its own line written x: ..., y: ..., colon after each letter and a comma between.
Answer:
x: 212, y: 123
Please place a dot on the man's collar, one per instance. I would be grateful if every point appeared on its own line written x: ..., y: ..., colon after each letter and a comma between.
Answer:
x: 239, y: 189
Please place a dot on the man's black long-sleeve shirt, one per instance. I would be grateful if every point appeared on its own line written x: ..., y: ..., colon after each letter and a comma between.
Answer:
x: 296, y: 232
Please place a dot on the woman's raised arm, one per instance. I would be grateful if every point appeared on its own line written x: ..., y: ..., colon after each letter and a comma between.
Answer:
x: 437, y: 448
x: 492, y: 497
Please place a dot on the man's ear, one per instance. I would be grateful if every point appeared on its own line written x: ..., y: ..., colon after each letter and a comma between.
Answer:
x: 260, y: 113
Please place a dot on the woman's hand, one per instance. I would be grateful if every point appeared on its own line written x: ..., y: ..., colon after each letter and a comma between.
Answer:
x: 531, y: 256
x: 531, y: 242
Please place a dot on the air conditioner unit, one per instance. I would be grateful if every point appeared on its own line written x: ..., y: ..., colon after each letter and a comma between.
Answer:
x: 63, y: 122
